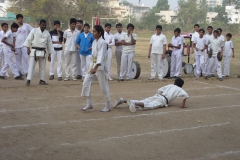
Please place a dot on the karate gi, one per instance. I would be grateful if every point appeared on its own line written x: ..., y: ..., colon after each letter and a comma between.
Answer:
x: 8, y: 56
x: 118, y: 51
x: 208, y: 71
x: 127, y: 57
x: 99, y: 53
x: 22, y: 55
x: 170, y: 92
x: 157, y: 42
x: 1, y: 49
x: 227, y: 57
x: 199, y: 55
x: 109, y: 38
x: 176, y: 59
x: 39, y: 41
x: 58, y: 53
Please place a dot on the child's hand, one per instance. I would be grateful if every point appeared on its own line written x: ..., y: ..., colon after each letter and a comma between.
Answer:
x: 49, y: 58
x: 163, y: 56
x: 149, y: 56
x: 93, y: 71
x: 233, y: 56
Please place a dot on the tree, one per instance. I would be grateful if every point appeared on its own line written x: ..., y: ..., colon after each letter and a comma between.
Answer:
x: 162, y: 5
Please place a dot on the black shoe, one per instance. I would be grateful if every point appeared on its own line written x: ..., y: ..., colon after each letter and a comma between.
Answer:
x: 19, y: 78
x: 26, y: 74
x: 28, y: 83
x: 51, y: 77
x: 79, y: 77
x: 59, y: 78
x: 20, y: 74
x: 41, y: 82
x: 2, y: 77
x: 176, y: 77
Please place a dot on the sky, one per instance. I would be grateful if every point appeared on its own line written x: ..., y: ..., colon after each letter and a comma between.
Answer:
x: 173, y: 3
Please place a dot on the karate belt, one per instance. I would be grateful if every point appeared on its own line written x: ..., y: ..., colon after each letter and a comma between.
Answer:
x: 39, y: 49
x: 165, y: 98
x: 94, y: 60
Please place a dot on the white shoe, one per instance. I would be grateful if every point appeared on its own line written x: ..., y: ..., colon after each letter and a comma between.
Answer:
x: 118, y: 102
x: 74, y: 79
x: 87, y: 107
x: 132, y: 106
x: 106, y: 109
x: 110, y: 79
x: 224, y: 75
x: 66, y: 79
x: 151, y: 78
x: 160, y: 78
x: 141, y: 108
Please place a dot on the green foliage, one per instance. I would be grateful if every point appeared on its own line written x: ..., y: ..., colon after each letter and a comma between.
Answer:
x: 162, y: 5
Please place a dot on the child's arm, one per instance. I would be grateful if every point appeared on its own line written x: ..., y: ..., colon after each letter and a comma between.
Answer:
x: 233, y: 53
x: 5, y: 42
x: 150, y: 50
x: 183, y: 104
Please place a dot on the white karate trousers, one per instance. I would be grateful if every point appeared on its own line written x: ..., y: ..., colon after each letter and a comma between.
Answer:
x: 176, y: 64
x: 101, y: 76
x: 109, y: 61
x: 59, y: 56
x: 212, y: 64
x: 126, y: 65
x: 1, y: 58
x: 22, y: 56
x: 156, y: 65
x: 78, y: 65
x: 42, y: 65
x: 200, y: 65
x: 9, y: 63
x: 85, y: 64
x: 118, y: 59
x: 227, y: 60
x: 71, y: 59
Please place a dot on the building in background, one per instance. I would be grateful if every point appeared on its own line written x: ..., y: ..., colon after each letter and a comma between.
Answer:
x: 4, y: 15
x: 233, y: 14
x: 212, y: 3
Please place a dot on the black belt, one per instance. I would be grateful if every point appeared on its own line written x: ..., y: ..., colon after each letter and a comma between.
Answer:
x: 165, y: 98
x: 39, y: 49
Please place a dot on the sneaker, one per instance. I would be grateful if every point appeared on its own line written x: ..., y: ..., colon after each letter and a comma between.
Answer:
x: 19, y: 78
x: 79, y: 77
x: 66, y: 79
x: 118, y: 102
x: 110, y: 79
x: 151, y: 78
x: 20, y: 74
x: 41, y: 82
x: 28, y: 83
x: 106, y: 109
x: 51, y: 77
x: 213, y: 75
x: 224, y: 75
x: 132, y: 106
x: 128, y: 79
x: 87, y: 107
x: 59, y: 78
x: 74, y: 79
x: 160, y: 78
x: 121, y: 79
x: 220, y: 79
x: 2, y: 77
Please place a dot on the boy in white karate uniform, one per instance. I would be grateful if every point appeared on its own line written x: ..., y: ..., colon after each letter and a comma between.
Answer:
x: 200, y: 45
x: 195, y: 35
x: 98, y: 70
x: 22, y: 52
x: 70, y: 53
x: 161, y: 99
x: 109, y: 38
x: 228, y: 54
x: 208, y: 36
x: 156, y: 52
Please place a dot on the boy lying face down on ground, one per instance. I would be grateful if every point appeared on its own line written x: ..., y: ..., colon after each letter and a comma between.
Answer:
x: 161, y: 99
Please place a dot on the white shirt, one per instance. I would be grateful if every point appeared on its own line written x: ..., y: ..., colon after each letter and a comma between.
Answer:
x: 176, y: 41
x: 200, y: 44
x: 37, y: 38
x: 222, y: 37
x: 118, y: 38
x: 194, y: 35
x: 158, y: 41
x: 9, y: 36
x: 85, y: 34
x: 1, y: 37
x: 70, y: 37
x: 172, y: 91
x: 228, y: 48
x: 21, y: 34
x: 109, y: 38
x: 127, y: 38
x: 209, y: 37
x: 216, y: 45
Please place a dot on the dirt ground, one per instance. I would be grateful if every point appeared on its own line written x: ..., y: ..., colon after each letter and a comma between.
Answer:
x: 45, y: 122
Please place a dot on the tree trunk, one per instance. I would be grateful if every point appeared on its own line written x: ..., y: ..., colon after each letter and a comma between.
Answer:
x: 49, y: 23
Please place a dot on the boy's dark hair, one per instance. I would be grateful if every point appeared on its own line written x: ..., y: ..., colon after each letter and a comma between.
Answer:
x: 216, y: 31
x: 179, y: 82
x: 42, y: 21
x: 80, y: 21
x: 196, y: 25
x: 86, y: 25
x: 202, y: 30
x: 130, y: 25
x: 159, y: 26
x: 56, y: 22
x: 73, y: 20
x: 177, y: 30
x: 219, y: 29
x: 210, y: 27
x: 14, y: 25
x: 3, y: 24
x: 229, y: 35
x: 19, y: 16
x: 118, y: 25
x: 108, y: 25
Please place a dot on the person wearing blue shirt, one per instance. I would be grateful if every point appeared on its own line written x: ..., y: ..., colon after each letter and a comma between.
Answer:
x: 84, y: 44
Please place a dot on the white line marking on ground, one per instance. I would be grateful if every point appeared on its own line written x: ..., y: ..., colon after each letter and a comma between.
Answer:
x: 219, y: 86
x: 210, y: 156
x: 111, y: 118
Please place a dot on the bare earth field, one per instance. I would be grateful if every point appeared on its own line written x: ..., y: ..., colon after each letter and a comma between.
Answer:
x: 45, y: 122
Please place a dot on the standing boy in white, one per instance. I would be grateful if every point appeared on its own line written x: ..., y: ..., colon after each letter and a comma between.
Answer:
x: 39, y: 40
x: 208, y: 36
x: 8, y: 49
x: 119, y: 48
x: 2, y: 33
x: 70, y: 53
x: 156, y: 52
x: 22, y: 52
x: 109, y: 38
x: 57, y: 39
x: 195, y: 35
x: 200, y: 45
x: 129, y: 47
x: 228, y: 54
